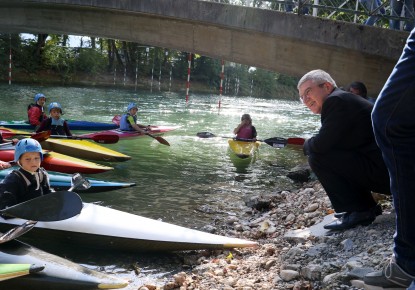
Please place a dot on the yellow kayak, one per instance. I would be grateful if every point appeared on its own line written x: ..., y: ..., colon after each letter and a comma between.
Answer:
x: 83, y: 149
x: 243, y: 149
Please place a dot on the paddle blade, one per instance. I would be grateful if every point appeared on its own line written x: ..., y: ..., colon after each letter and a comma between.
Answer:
x: 106, y: 138
x: 54, y: 206
x: 18, y: 231
x: 159, y: 139
x: 41, y: 136
x: 205, y: 135
x: 295, y: 141
x: 276, y: 142
x: 162, y: 141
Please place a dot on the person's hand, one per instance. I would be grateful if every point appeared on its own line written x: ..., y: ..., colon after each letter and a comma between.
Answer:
x: 4, y: 165
x: 14, y: 141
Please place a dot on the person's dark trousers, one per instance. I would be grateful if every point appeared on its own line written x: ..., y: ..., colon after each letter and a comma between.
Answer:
x: 394, y: 125
x: 348, y: 177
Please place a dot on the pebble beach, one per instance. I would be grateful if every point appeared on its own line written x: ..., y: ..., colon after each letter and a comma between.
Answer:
x: 293, y: 252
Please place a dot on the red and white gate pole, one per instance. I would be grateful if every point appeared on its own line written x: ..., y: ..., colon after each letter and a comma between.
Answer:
x: 221, y: 83
x: 188, y: 77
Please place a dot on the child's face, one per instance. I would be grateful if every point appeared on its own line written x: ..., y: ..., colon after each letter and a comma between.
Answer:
x: 30, y: 161
x: 133, y: 111
x: 55, y: 113
x: 41, y: 101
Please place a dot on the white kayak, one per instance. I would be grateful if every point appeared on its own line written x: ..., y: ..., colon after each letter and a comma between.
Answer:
x: 105, y: 228
x: 58, y: 273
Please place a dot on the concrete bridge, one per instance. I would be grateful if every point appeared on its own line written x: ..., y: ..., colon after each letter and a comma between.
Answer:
x: 287, y: 43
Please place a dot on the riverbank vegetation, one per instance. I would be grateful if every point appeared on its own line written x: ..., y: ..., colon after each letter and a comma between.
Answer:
x: 51, y: 60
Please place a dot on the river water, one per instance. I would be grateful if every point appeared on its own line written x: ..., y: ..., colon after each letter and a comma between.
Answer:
x: 193, y: 182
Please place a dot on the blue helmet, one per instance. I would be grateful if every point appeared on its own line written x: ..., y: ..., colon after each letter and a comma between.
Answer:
x: 27, y: 145
x: 131, y: 105
x: 54, y: 105
x: 38, y: 96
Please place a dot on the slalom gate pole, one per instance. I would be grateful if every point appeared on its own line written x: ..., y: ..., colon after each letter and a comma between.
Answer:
x: 188, y: 78
x: 221, y: 83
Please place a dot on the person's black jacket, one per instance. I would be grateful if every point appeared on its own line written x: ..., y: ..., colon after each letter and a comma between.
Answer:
x: 345, y: 125
x: 19, y: 186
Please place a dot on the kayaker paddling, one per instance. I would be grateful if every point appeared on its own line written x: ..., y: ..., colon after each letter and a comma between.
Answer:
x: 128, y: 121
x: 55, y: 123
x: 245, y: 130
x: 30, y: 180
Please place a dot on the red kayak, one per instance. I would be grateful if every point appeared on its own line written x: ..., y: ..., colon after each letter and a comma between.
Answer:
x: 61, y: 163
x: 155, y: 130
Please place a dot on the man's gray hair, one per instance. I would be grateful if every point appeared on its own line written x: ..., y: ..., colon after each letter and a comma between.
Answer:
x: 317, y: 76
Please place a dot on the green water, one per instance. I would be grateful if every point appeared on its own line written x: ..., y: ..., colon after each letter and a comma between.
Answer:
x: 194, y: 181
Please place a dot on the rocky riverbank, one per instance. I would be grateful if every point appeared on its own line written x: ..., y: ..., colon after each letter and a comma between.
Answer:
x: 294, y: 251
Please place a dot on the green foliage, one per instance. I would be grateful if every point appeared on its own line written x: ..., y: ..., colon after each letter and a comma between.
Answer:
x: 90, y: 60
x: 53, y: 54
x: 58, y: 58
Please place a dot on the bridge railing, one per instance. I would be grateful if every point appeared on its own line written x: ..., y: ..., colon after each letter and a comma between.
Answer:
x: 370, y: 12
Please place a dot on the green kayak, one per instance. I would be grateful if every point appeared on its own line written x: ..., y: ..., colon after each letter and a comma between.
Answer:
x: 9, y: 271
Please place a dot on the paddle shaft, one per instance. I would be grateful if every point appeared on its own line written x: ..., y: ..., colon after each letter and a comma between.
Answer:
x: 99, y: 138
x: 276, y: 142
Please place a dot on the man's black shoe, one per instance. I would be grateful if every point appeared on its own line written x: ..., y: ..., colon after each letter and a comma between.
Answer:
x: 391, y: 277
x: 351, y: 220
x: 377, y: 210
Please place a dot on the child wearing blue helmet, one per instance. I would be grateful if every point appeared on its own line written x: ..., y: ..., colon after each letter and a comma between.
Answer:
x: 30, y: 180
x: 128, y: 121
x: 35, y: 111
x: 55, y: 123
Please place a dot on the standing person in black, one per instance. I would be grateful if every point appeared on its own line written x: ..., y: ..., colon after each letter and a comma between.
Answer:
x: 344, y: 154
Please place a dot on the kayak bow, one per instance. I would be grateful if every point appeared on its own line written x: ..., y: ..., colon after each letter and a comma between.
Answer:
x: 101, y: 227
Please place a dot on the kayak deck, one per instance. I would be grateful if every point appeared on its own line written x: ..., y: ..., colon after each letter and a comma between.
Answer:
x: 62, y: 163
x: 62, y: 181
x: 9, y: 271
x: 243, y: 149
x: 100, y: 227
x: 84, y: 149
x: 58, y: 273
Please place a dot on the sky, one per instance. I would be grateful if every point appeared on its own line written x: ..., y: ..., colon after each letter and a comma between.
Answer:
x: 74, y: 40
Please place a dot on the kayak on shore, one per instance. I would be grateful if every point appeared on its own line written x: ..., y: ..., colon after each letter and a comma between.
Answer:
x: 155, y: 130
x: 83, y: 149
x: 54, y: 161
x: 58, y: 273
x: 61, y: 181
x: 101, y: 227
x: 243, y: 149
x: 73, y: 125
x: 73, y: 147
x: 10, y: 271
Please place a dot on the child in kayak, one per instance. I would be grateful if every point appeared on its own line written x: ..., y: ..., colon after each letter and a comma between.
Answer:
x: 35, y: 111
x: 128, y: 121
x: 245, y: 130
x: 30, y: 180
x: 56, y: 124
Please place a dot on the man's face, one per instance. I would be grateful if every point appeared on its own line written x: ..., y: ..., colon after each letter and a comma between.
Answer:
x: 313, y: 95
